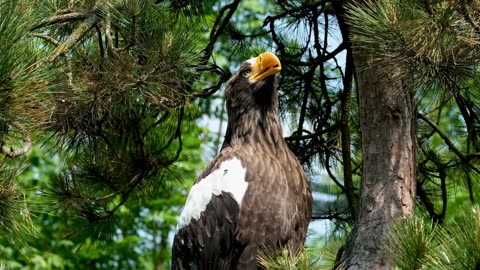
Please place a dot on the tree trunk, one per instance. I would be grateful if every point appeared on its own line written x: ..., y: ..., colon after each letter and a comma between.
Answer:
x: 387, y: 123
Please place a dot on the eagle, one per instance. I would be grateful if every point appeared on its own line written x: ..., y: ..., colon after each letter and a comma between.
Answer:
x: 254, y: 196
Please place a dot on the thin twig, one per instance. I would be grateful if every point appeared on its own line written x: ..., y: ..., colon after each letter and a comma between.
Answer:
x: 46, y: 38
x: 442, y: 135
x: 218, y: 28
x: 312, y: 135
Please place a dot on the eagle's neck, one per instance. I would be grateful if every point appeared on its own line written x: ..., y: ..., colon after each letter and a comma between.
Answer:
x: 254, y: 124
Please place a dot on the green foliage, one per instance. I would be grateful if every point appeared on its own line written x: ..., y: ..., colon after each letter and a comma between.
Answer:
x: 434, y: 42
x: 114, y: 88
x: 23, y: 81
x: 18, y: 97
x: 420, y: 244
x: 109, y: 84
x: 121, y: 107
x: 460, y: 248
x: 15, y: 220
x: 304, y: 260
x: 409, y: 242
x: 435, y: 46
x: 139, y: 234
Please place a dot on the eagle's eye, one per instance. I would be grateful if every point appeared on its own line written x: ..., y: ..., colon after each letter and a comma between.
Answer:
x: 246, y: 73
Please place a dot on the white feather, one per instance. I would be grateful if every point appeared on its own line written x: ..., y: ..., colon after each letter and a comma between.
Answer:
x: 251, y: 60
x: 229, y: 177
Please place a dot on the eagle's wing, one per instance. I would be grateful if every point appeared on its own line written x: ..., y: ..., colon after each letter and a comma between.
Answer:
x: 206, y: 233
x: 235, y: 209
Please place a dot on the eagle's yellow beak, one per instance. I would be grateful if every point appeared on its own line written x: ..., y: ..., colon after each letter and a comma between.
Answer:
x: 265, y: 64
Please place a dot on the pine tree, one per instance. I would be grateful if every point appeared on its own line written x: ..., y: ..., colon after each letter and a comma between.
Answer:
x: 23, y: 105
x: 111, y: 88
x: 434, y: 45
x: 110, y: 83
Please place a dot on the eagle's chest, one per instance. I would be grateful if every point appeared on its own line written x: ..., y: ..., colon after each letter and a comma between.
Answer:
x: 274, y: 188
x: 273, y: 202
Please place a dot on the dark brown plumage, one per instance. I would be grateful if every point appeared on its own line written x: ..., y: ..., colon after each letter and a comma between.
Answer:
x: 254, y: 195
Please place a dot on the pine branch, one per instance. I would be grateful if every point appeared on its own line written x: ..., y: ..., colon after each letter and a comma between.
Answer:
x: 445, y: 138
x: 439, y: 50
x: 313, y: 135
x: 330, y: 174
x: 27, y: 143
x: 409, y: 243
x: 80, y: 32
x: 46, y: 38
x: 464, y: 158
x: 427, y: 202
x: 218, y: 27
x: 443, y: 188
x: 308, y: 77
x: 15, y: 221
x: 346, y: 106
x: 61, y: 18
x: 332, y: 216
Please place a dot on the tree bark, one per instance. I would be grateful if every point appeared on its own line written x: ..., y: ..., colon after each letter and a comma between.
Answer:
x: 387, y: 192
x: 387, y: 123
x: 388, y: 178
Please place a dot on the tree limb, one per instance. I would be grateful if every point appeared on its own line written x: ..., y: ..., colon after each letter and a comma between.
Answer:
x: 61, y: 18
x: 76, y: 36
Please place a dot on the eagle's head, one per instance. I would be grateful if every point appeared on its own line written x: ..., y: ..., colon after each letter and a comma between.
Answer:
x: 252, y: 100
x: 253, y: 86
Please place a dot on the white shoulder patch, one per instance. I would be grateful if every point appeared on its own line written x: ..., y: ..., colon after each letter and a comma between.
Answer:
x: 229, y: 177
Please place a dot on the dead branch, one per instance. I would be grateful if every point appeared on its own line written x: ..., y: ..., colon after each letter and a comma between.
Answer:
x: 62, y: 18
x: 27, y: 143
x: 76, y: 36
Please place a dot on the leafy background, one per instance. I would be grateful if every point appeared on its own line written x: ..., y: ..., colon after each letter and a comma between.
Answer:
x: 123, y: 102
